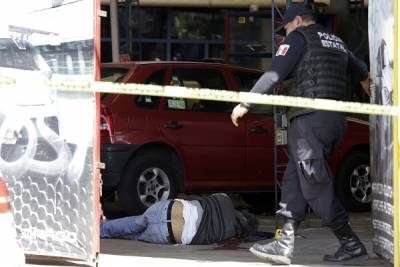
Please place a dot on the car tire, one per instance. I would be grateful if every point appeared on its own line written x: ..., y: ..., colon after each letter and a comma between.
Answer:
x: 149, y: 177
x: 353, y: 182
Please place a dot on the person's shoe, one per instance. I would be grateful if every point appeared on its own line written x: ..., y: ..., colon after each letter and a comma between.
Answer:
x: 279, y: 251
x: 350, y: 248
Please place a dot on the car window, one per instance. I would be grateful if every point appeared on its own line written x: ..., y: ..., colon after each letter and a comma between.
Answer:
x: 246, y: 81
x: 113, y: 74
x: 198, y: 78
x: 156, y: 78
x: 145, y: 101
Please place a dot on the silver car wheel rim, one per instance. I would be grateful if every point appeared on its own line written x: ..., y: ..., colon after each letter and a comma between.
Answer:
x: 153, y: 186
x: 360, y: 184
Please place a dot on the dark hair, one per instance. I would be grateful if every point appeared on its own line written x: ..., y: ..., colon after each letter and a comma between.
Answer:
x: 246, y: 223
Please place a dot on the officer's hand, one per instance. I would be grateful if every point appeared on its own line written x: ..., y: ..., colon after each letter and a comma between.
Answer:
x: 238, y: 112
x: 366, y: 85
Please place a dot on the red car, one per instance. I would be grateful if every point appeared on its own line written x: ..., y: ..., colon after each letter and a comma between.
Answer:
x: 155, y: 147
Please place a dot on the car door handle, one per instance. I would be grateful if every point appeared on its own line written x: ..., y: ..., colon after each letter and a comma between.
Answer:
x: 258, y: 129
x: 173, y: 125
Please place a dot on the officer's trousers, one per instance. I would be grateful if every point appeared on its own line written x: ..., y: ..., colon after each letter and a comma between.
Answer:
x: 308, y: 180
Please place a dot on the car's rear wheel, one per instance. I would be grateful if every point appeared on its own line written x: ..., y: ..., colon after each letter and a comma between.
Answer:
x: 353, y: 182
x: 150, y: 177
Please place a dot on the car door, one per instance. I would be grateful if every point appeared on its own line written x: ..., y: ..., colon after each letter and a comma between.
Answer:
x: 260, y: 134
x: 213, y: 150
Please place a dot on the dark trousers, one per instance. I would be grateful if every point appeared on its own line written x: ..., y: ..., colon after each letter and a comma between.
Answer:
x: 308, y: 179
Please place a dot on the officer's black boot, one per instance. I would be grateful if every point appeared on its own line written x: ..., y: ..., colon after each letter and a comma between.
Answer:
x: 350, y: 246
x: 279, y: 251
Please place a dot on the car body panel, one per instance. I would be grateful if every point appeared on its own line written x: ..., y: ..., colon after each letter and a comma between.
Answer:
x: 260, y: 149
x: 213, y: 153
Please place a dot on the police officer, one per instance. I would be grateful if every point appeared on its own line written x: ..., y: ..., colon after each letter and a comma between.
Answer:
x: 318, y: 64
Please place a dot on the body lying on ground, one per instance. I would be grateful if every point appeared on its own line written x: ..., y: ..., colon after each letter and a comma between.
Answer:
x: 201, y: 221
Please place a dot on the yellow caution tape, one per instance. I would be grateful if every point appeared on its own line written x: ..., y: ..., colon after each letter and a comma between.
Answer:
x: 278, y: 233
x: 218, y: 95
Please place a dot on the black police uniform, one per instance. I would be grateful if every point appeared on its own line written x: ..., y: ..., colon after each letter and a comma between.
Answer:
x: 317, y: 64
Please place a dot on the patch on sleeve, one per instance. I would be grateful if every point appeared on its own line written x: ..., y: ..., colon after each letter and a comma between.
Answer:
x: 282, y: 50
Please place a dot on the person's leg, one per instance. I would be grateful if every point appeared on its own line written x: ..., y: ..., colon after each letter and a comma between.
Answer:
x: 156, y: 218
x: 124, y: 228
x: 279, y: 251
x: 317, y: 182
x: 293, y: 209
x: 292, y: 204
x: 323, y: 201
x: 350, y: 246
x: 316, y: 136
x: 151, y: 226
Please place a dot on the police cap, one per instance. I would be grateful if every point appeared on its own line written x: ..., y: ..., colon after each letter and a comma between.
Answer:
x: 294, y: 10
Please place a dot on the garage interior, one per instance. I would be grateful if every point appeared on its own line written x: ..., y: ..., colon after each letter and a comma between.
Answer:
x: 348, y: 19
x: 242, y: 33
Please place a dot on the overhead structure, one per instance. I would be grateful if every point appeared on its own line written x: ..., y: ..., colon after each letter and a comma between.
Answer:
x: 218, y: 3
x: 214, y: 3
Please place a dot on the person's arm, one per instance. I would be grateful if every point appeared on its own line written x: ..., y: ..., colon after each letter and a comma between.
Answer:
x: 287, y: 57
x: 359, y: 72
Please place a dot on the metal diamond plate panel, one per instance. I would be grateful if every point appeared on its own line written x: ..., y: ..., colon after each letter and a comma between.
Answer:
x: 381, y: 43
x: 47, y: 137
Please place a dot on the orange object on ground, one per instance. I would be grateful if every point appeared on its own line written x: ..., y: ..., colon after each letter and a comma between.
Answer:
x: 11, y: 254
x: 4, y: 197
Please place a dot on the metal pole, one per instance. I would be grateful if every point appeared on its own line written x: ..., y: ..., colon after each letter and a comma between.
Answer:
x: 275, y: 119
x: 273, y: 29
x: 169, y: 35
x: 274, y: 8
x: 396, y: 131
x: 130, y: 48
x: 114, y: 30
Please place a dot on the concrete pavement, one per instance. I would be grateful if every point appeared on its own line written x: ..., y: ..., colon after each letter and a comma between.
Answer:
x: 311, y: 243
